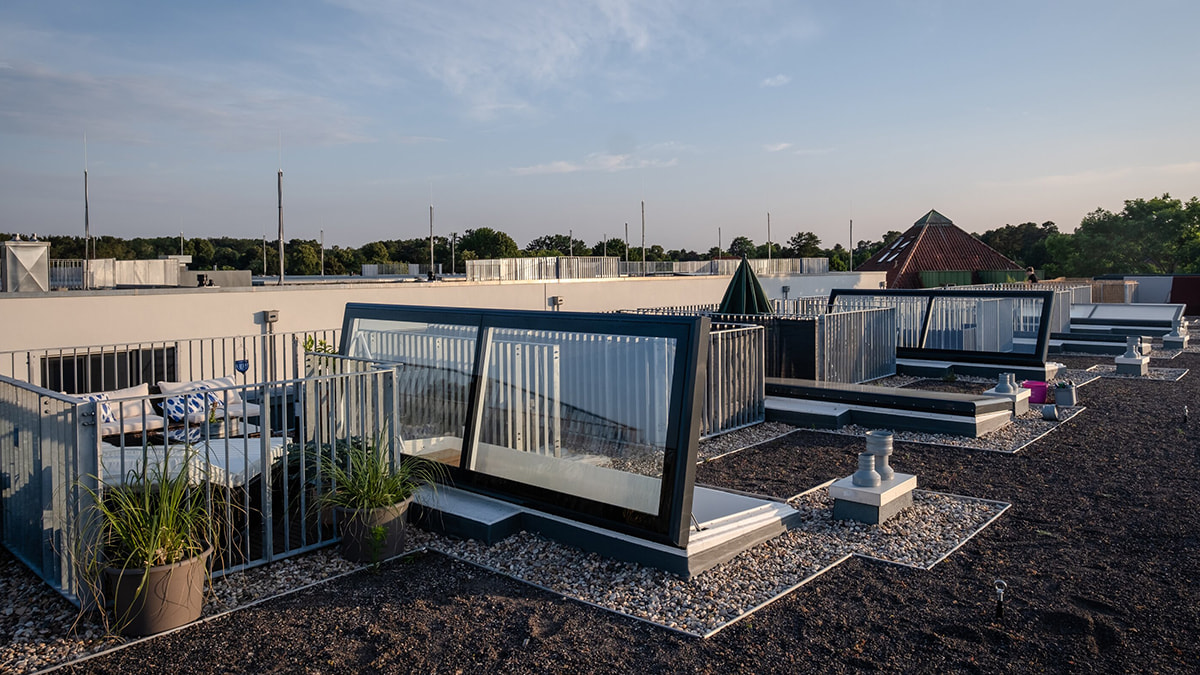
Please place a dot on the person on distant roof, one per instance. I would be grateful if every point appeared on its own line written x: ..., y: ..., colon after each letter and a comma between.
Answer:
x: 1032, y: 278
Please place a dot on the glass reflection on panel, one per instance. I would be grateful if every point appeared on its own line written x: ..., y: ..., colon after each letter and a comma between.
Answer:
x: 583, y: 414
x: 983, y: 324
x: 434, y: 377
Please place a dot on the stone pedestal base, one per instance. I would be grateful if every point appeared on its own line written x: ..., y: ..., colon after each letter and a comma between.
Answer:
x: 1180, y: 342
x: 872, y: 505
x: 1020, y: 399
x: 1133, y: 365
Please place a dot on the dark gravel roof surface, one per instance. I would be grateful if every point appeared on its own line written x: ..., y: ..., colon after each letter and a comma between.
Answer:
x: 1099, y: 552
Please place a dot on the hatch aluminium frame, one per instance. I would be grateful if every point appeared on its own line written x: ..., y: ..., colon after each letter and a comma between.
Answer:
x: 672, y: 523
x: 1041, y: 345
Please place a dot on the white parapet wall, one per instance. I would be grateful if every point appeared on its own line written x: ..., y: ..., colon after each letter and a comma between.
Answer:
x: 77, y: 318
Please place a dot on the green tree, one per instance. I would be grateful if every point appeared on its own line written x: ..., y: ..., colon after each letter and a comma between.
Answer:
x: 742, y: 246
x: 1158, y: 236
x: 303, y: 257
x: 374, y: 253
x: 557, y: 244
x: 613, y: 247
x: 804, y: 245
x: 1024, y: 243
x: 487, y: 243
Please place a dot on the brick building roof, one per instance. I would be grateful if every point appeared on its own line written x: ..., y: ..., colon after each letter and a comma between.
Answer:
x: 934, y: 243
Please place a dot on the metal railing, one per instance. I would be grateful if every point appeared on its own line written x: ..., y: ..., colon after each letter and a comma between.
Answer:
x: 1027, y: 310
x: 726, y: 267
x: 542, y: 394
x: 910, y: 313
x: 261, y: 463
x: 805, y: 305
x: 80, y: 370
x: 547, y: 267
x: 850, y: 346
x: 385, y: 269
x: 857, y: 346
x: 735, y: 388
x: 65, y: 273
x: 597, y: 267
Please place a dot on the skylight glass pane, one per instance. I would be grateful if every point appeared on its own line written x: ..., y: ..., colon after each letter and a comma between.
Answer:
x: 582, y: 414
x: 434, y: 378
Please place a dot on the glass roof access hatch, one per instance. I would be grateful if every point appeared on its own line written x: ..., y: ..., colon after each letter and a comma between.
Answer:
x: 590, y: 416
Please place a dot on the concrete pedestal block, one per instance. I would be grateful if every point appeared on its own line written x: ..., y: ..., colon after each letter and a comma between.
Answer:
x: 872, y: 505
x: 1180, y: 342
x: 1019, y: 398
x: 1133, y: 365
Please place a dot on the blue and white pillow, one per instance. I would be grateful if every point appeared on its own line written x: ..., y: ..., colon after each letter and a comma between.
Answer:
x: 179, y: 408
x: 103, y: 411
x: 212, y: 398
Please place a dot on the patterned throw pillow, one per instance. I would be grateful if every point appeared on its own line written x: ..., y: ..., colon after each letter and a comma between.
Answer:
x: 212, y: 398
x: 178, y: 408
x: 103, y: 411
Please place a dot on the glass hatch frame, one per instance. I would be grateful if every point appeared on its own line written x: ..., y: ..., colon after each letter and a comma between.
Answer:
x: 688, y: 358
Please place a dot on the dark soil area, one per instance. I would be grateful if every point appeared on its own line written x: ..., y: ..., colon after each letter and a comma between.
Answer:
x: 1099, y: 552
x: 953, y: 386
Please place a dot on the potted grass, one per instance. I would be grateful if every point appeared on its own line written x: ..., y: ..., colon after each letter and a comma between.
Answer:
x: 152, y: 540
x: 370, y: 495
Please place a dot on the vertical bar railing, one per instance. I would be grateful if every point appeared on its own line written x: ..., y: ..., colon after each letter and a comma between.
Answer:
x: 735, y: 388
x: 88, y: 369
x: 856, y: 346
x: 259, y: 464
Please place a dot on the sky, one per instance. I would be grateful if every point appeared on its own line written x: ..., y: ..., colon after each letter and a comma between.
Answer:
x: 543, y: 117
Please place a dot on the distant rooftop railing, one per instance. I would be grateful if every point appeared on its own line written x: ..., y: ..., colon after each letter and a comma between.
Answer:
x: 599, y: 267
x: 76, y: 274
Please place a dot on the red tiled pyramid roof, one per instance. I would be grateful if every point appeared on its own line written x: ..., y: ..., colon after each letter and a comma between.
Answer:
x: 934, y: 243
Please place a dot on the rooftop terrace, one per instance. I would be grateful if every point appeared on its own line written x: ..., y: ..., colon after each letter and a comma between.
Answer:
x: 1097, y: 550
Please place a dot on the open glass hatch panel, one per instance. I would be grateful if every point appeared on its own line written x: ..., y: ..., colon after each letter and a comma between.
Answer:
x: 591, y: 416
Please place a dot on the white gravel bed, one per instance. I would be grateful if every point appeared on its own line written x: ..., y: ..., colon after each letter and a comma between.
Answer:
x: 1161, y: 374
x: 920, y: 536
x: 1012, y: 438
x: 51, y: 631
x: 895, y: 380
x: 734, y: 441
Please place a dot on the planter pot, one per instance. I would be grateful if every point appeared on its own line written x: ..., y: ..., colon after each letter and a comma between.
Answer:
x: 1037, y: 391
x: 1050, y: 412
x: 156, y: 599
x: 1065, y: 396
x: 372, y: 535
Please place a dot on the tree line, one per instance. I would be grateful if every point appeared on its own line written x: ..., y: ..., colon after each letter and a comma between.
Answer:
x: 1157, y: 235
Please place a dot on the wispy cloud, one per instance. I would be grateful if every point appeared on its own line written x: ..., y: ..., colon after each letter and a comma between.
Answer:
x: 776, y: 147
x: 595, y: 162
x: 508, y: 57
x: 775, y: 81
x: 1096, y: 176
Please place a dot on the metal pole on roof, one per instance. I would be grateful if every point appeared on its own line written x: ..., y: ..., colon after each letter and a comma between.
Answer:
x: 643, y: 236
x: 322, y: 252
x: 280, y: 184
x: 87, y: 226
x: 851, y: 244
x: 768, y: 235
x: 430, y: 275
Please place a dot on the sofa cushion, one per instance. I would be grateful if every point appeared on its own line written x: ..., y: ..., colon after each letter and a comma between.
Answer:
x: 170, y: 388
x: 179, y: 407
x: 104, y: 412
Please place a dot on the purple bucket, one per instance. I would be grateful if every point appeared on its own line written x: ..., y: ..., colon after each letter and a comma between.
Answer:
x: 1037, y: 391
